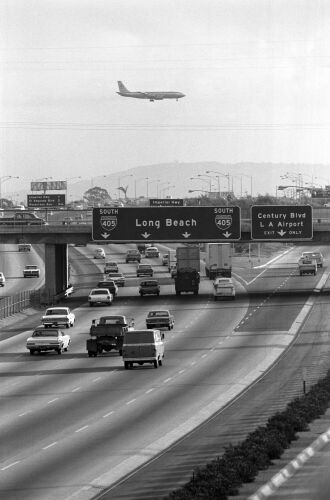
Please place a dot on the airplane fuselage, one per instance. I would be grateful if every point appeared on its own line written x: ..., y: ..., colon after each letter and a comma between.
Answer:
x: 153, y: 96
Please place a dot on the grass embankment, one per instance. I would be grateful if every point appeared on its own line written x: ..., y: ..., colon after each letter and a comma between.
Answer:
x: 241, y: 463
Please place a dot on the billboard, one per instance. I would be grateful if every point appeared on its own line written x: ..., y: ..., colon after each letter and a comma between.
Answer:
x: 48, y: 186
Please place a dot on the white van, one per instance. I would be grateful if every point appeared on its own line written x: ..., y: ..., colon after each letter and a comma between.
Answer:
x: 223, y: 288
x: 143, y: 346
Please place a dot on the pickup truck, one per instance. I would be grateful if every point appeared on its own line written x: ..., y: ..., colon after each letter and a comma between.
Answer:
x: 107, y: 334
x: 55, y: 316
x: 160, y: 319
x: 23, y: 219
x: 50, y: 339
x: 306, y: 265
x: 31, y: 271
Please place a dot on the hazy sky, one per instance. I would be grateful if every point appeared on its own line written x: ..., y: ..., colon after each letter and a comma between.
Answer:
x: 256, y: 76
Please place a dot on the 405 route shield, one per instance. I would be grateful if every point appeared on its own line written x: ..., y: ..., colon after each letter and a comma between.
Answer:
x: 171, y: 224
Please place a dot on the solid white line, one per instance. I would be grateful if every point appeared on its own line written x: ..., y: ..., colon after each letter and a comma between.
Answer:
x: 82, y: 428
x: 50, y: 445
x: 10, y: 465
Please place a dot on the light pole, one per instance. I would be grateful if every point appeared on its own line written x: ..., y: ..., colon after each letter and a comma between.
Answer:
x: 5, y: 178
x: 135, y: 182
x: 223, y: 175
x: 249, y: 176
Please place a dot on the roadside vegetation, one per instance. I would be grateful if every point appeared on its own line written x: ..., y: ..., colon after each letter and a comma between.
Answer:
x: 239, y: 464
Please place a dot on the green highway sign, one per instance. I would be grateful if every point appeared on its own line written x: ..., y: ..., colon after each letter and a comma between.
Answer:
x: 281, y: 222
x: 170, y: 224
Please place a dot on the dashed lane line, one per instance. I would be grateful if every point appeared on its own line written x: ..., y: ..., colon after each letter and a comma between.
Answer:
x: 82, y: 428
x: 11, y: 465
x: 50, y: 445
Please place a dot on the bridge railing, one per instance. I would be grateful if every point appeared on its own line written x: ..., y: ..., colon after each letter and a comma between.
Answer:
x: 15, y: 303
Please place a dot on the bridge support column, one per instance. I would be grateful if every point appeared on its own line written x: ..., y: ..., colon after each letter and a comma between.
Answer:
x: 56, y: 268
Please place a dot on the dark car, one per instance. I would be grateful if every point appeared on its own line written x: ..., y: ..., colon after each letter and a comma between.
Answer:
x: 133, y: 256
x: 149, y: 287
x: 110, y: 285
x: 144, y: 270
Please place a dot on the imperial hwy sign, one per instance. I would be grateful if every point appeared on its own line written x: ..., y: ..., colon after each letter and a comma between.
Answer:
x: 281, y: 222
x: 171, y: 224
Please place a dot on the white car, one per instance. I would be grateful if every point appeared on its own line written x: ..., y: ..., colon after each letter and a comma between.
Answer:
x: 99, y: 253
x: 56, y: 316
x: 48, y: 339
x: 31, y: 271
x: 2, y: 279
x: 152, y: 252
x: 100, y: 296
x: 223, y: 288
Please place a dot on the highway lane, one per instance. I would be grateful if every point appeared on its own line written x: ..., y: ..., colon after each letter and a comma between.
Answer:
x: 71, y: 418
x: 12, y: 263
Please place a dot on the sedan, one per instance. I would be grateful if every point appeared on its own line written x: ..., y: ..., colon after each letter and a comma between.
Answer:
x: 100, y: 296
x: 48, y: 339
x: 144, y: 270
x: 118, y: 278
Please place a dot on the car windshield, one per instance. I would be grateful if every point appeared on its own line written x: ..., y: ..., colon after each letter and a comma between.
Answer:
x: 157, y: 314
x: 51, y: 312
x: 45, y: 333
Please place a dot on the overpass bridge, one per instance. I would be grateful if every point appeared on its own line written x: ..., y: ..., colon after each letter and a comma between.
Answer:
x: 60, y: 232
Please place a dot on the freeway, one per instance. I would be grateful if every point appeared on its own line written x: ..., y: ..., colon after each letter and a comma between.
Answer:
x: 73, y: 425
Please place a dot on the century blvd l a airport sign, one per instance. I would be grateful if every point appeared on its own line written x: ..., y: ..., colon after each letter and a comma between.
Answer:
x: 171, y: 224
x: 281, y: 222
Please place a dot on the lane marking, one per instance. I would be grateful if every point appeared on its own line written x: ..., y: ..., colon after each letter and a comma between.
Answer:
x: 52, y: 400
x: 150, y: 390
x: 108, y: 414
x: 25, y: 413
x: 131, y: 401
x: 82, y: 428
x: 76, y: 389
x: 167, y: 380
x: 96, y: 379
x: 50, y: 445
x: 10, y: 465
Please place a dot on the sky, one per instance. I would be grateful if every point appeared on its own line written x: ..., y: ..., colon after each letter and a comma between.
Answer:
x: 255, y: 74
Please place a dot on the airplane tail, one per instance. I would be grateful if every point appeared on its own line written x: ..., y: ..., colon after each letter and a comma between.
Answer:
x: 122, y: 87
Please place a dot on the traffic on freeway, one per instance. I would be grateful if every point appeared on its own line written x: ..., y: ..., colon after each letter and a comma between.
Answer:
x: 78, y: 424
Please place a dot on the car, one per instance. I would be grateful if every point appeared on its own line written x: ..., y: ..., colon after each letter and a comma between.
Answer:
x: 223, y: 288
x: 165, y: 259
x: 99, y: 253
x: 48, y: 339
x: 152, y: 252
x: 149, y: 287
x: 160, y: 319
x: 109, y: 285
x: 118, y: 278
x: 133, y: 256
x: 56, y: 316
x: 144, y: 270
x: 314, y: 255
x: 24, y: 247
x: 2, y: 279
x: 31, y: 271
x: 111, y: 267
x: 100, y: 296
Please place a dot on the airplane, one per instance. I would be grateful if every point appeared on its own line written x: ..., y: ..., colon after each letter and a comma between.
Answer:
x: 152, y: 96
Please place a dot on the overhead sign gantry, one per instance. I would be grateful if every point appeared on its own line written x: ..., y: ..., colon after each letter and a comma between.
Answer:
x: 170, y: 224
